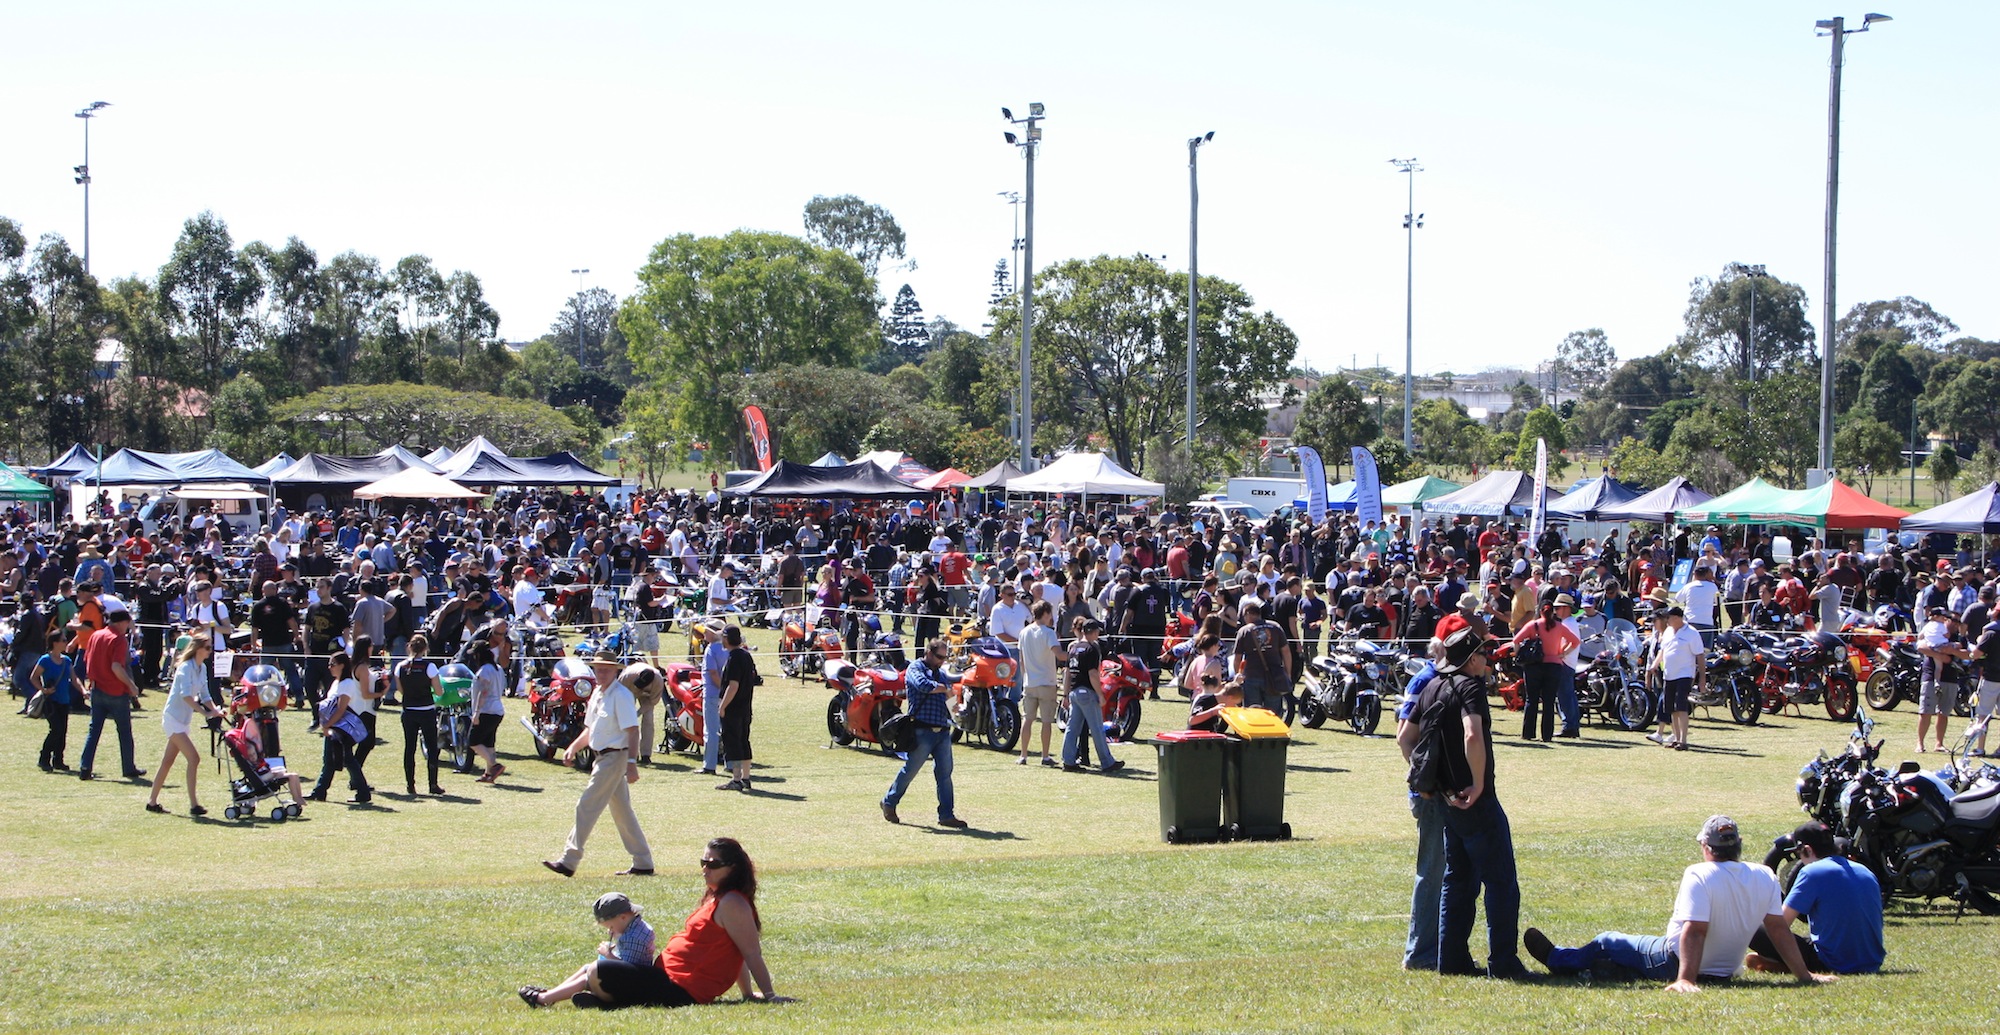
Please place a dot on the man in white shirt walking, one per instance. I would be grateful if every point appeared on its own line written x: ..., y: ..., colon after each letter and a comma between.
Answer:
x: 611, y: 729
x: 1041, y: 672
x: 1698, y: 598
x: 1006, y: 622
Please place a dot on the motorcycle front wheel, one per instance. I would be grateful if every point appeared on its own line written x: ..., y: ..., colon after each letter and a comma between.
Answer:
x: 1840, y: 699
x: 1367, y: 715
x: 1632, y: 708
x: 1745, y: 705
x: 1128, y: 719
x: 1881, y: 691
x: 461, y: 742
x: 836, y: 720
x: 1312, y: 714
x: 1006, y: 731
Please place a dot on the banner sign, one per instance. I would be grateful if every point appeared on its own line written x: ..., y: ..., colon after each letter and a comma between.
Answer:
x: 1367, y: 487
x: 760, y: 436
x: 1539, y: 522
x: 1314, y: 470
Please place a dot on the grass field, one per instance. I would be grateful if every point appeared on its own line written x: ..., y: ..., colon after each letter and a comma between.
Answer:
x: 1060, y: 910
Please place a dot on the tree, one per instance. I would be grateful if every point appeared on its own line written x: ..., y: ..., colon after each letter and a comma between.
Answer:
x: 1394, y: 463
x: 1717, y: 333
x: 965, y: 372
x: 587, y: 328
x: 976, y: 449
x: 209, y: 290
x: 1003, y: 287
x: 905, y: 334
x: 816, y: 407
x: 710, y: 309
x: 1867, y: 447
x: 1541, y: 423
x: 1943, y: 467
x: 1175, y: 468
x: 1598, y: 422
x: 1889, y: 388
x: 422, y: 294
x: 360, y: 418
x: 1632, y: 460
x: 1445, y: 432
x: 1905, y: 319
x: 243, y: 424
x: 353, y: 307
x: 924, y: 430
x: 1110, y: 357
x: 848, y: 224
x: 1780, y: 439
x: 1981, y: 470
x: 1334, y: 419
x: 469, y: 320
x: 1586, y: 360
x: 1658, y: 426
x: 60, y: 353
x: 1966, y: 407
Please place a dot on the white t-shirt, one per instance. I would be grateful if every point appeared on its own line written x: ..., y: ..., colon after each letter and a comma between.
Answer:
x: 526, y: 598
x: 612, y: 711
x: 1699, y: 599
x: 1038, y: 662
x: 1934, y: 634
x: 1053, y: 594
x: 1734, y: 898
x: 1827, y: 599
x: 718, y: 593
x: 1007, y: 620
x: 1679, y: 648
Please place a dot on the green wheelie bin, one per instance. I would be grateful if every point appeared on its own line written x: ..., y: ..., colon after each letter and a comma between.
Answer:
x: 1190, y: 785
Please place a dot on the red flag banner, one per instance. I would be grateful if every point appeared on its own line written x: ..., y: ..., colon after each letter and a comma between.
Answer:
x: 760, y: 436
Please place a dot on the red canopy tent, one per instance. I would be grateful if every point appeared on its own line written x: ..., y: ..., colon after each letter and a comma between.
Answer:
x: 948, y: 478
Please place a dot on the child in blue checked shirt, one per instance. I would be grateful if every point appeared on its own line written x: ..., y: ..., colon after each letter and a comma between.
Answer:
x: 631, y: 937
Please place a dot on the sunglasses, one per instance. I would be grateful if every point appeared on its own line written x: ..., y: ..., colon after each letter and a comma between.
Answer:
x: 713, y: 864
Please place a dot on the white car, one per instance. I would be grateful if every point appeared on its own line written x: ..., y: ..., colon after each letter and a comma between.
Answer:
x: 1225, y: 513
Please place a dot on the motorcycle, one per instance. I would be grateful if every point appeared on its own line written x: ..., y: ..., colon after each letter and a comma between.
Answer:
x: 1507, y: 676
x: 555, y: 712
x: 1123, y: 682
x: 1823, y: 782
x: 1802, y: 670
x: 1898, y: 676
x: 1346, y: 685
x: 1610, y: 684
x: 454, y: 704
x: 979, y: 704
x: 806, y: 648
x: 1924, y: 840
x: 1732, y: 679
x: 863, y: 699
x: 685, y: 709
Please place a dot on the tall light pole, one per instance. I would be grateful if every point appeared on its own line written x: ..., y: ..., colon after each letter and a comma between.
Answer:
x: 1413, y: 221
x: 83, y: 173
x: 580, y: 274
x: 1194, y: 290
x: 1753, y: 274
x: 1836, y: 28
x: 1030, y: 141
x: 1014, y: 198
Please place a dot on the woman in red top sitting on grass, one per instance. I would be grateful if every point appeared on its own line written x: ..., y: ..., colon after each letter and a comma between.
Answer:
x: 719, y: 947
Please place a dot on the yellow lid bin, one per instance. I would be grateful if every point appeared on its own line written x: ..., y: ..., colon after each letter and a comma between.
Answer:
x: 1254, y: 723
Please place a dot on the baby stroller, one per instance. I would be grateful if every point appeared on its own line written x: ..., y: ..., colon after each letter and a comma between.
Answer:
x: 262, y: 777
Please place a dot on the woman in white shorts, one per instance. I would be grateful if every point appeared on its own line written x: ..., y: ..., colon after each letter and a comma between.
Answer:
x: 188, y: 693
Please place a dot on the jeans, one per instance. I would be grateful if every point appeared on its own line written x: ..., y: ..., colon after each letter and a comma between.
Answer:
x: 1420, y: 949
x: 22, y: 682
x: 57, y: 740
x: 1254, y: 695
x: 152, y: 643
x: 420, y: 725
x: 1479, y: 852
x: 1085, y: 714
x: 1572, y: 712
x: 711, y: 728
x: 286, y: 657
x: 1650, y: 956
x: 933, y: 745
x: 1540, y: 684
x: 339, y: 754
x: 119, y: 710
x: 1014, y: 688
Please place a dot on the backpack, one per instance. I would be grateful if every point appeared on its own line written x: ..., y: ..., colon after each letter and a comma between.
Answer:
x: 1432, y: 767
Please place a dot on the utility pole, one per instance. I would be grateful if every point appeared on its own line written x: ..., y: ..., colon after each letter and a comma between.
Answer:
x: 1029, y: 142
x: 1194, y: 290
x: 1413, y: 220
x: 1836, y: 28
x: 83, y: 173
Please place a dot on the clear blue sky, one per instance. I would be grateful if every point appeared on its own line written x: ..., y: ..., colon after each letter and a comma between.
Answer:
x: 1584, y: 160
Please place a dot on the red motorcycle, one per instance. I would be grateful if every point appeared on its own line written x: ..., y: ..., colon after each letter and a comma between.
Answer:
x: 555, y: 713
x: 685, y: 706
x: 863, y: 699
x: 1123, y: 682
x: 1176, y: 647
x: 1507, y: 675
x: 1809, y: 669
x: 804, y: 649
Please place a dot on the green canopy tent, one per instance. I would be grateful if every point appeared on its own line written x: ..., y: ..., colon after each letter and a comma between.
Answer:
x: 1751, y: 503
x: 17, y: 486
x: 1414, y: 492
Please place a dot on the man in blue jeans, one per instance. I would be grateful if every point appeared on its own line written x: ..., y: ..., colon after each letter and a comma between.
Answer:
x: 1722, y: 904
x: 107, y: 658
x: 927, y: 684
x: 1420, y: 949
x: 714, y: 658
x: 1478, y: 843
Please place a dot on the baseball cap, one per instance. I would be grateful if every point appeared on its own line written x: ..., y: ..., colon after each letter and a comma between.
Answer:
x: 612, y: 904
x: 1459, y: 648
x: 1720, y: 832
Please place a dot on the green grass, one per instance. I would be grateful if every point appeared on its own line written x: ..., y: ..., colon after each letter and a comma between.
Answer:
x: 1060, y: 911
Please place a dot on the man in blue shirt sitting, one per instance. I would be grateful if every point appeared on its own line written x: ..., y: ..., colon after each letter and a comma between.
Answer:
x: 927, y: 684
x: 1840, y: 900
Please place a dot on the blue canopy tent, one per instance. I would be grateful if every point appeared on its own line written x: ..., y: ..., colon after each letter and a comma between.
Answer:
x: 1974, y: 514
x: 1589, y: 498
x: 72, y: 463
x: 1658, y: 505
x: 829, y: 459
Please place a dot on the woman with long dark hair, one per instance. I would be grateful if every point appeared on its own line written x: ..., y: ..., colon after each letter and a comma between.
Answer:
x: 720, y: 945
x: 1541, y: 678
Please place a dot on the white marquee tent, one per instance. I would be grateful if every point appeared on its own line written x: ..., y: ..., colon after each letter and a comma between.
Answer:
x: 1091, y: 474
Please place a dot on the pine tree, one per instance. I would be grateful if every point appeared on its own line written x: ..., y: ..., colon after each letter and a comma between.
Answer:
x: 906, y: 332
x: 1003, y: 288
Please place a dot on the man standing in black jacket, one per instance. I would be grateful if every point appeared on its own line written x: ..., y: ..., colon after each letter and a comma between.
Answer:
x: 153, y: 594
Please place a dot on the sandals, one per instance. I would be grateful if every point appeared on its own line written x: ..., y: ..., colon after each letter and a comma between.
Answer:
x: 531, y: 995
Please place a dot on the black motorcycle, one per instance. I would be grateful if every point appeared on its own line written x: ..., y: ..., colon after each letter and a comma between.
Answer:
x: 1346, y: 685
x: 1732, y: 679
x: 1823, y: 783
x: 1922, y: 840
x: 1610, y: 684
x: 1898, y: 677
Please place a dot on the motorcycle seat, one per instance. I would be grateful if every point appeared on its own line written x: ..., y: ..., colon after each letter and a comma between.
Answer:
x: 1980, y: 808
